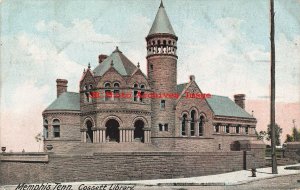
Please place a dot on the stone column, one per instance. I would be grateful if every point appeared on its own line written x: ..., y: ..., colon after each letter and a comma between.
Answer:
x: 101, y: 135
x: 97, y: 135
x: 132, y: 135
x: 83, y: 135
x: 197, y: 128
x: 121, y: 135
x: 242, y: 129
x: 188, y: 128
x: 147, y: 135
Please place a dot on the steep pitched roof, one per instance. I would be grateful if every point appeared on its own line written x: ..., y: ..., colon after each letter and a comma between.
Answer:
x: 66, y: 101
x: 120, y: 62
x: 161, y: 23
x: 223, y: 106
x: 180, y: 87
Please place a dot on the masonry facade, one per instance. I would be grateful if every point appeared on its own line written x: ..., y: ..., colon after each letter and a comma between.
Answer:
x: 112, y: 112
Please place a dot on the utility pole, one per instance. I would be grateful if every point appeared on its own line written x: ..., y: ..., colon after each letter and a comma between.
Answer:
x: 273, y: 140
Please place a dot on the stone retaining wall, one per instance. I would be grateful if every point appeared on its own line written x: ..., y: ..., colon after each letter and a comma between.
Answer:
x: 121, y: 166
x: 292, y: 151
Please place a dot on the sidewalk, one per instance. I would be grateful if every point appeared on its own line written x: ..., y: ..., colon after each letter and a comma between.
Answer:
x: 232, y: 178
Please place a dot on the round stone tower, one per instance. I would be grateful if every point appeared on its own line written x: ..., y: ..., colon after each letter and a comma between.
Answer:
x: 162, y: 73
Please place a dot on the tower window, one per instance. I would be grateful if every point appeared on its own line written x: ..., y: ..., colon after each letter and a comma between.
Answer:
x: 166, y: 127
x: 163, y: 104
x: 160, y: 126
x: 151, y: 67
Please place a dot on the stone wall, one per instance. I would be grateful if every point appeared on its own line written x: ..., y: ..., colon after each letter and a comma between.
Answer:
x: 292, y: 151
x: 123, y: 166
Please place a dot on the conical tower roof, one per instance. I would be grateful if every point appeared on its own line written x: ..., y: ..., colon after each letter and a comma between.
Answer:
x: 161, y: 24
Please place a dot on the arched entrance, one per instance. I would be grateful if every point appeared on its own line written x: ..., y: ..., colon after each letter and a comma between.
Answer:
x: 89, y: 132
x: 112, y: 130
x: 138, y: 130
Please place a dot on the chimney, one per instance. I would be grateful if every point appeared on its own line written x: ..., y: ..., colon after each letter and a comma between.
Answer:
x: 61, y: 86
x: 102, y: 58
x: 239, y: 99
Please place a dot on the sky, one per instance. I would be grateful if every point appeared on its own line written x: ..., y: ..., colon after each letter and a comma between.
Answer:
x: 224, y: 43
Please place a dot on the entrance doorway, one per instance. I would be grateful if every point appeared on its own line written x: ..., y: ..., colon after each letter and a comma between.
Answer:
x: 89, y: 133
x: 112, y: 130
x: 138, y: 130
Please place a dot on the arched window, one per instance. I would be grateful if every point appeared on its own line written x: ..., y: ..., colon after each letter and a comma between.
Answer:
x: 160, y: 126
x: 201, y: 123
x: 138, y: 130
x: 116, y: 91
x: 56, y: 128
x: 89, y: 132
x: 108, y: 94
x: 142, y: 92
x: 183, y: 125
x: 193, y: 113
x: 46, y: 130
x: 135, y: 92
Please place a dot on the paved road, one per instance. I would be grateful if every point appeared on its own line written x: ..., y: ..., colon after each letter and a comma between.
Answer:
x: 282, y: 183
